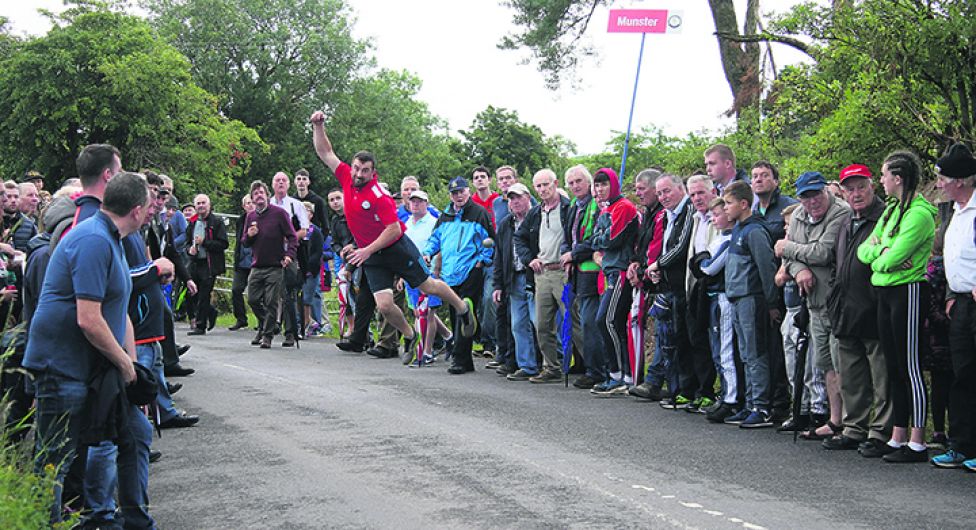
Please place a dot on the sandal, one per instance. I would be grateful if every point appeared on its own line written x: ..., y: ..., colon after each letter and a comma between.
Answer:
x: 812, y: 433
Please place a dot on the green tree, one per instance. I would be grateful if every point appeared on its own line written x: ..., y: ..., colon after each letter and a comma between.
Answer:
x: 271, y: 62
x: 381, y: 114
x: 102, y: 76
x: 498, y: 137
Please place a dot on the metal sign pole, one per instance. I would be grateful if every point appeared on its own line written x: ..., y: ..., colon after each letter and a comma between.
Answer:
x: 630, y: 118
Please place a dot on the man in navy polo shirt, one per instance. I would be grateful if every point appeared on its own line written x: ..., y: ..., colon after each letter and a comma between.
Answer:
x: 372, y: 218
x: 80, y: 327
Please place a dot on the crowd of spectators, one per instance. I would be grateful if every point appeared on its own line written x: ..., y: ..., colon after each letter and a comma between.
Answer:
x: 811, y: 308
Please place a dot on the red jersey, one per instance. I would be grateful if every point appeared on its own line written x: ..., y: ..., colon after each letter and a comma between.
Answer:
x: 487, y: 205
x: 369, y: 208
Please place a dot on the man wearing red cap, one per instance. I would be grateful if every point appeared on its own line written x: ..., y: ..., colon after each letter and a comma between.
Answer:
x: 864, y: 385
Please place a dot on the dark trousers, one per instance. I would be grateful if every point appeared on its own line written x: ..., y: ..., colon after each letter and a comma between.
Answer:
x: 612, y: 319
x: 170, y: 355
x: 237, y: 294
x: 899, y: 327
x: 698, y: 356
x: 962, y: 399
x: 365, y: 307
x: 13, y: 385
x: 504, y: 341
x: 264, y: 288
x: 593, y: 347
x: 472, y: 288
x: 205, y: 311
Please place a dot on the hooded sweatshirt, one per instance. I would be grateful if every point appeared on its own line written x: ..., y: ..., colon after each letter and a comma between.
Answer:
x: 907, y: 236
x: 616, y: 228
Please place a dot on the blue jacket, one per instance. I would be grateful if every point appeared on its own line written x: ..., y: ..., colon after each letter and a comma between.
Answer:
x: 459, y: 238
x: 751, y: 267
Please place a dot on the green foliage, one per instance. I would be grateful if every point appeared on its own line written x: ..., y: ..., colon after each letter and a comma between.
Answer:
x: 271, y: 63
x: 497, y: 137
x: 382, y: 114
x: 553, y: 31
x: 101, y: 76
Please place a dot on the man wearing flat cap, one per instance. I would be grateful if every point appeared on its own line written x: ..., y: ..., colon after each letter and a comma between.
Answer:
x: 956, y: 178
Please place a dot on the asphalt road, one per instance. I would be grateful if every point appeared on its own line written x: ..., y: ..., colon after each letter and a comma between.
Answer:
x: 319, y: 438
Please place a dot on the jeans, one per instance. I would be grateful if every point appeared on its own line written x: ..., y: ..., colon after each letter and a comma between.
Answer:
x: 150, y: 356
x: 126, y: 467
x: 751, y: 319
x: 722, y: 338
x: 488, y: 313
x: 312, y: 297
x: 663, y: 369
x: 596, y: 366
x: 522, y: 309
x: 60, y: 402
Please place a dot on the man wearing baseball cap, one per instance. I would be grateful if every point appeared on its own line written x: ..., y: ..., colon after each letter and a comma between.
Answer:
x: 957, y: 179
x: 808, y: 255
x: 459, y: 237
x: 852, y: 308
x: 382, y: 250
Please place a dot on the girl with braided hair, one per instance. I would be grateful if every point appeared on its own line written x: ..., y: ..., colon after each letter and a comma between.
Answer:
x: 898, y: 251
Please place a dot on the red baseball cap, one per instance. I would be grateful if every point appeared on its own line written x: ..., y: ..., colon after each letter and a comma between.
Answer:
x: 855, y: 170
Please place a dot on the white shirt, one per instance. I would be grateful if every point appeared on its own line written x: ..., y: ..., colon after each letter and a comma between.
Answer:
x: 293, y: 206
x: 960, y: 248
x: 702, y: 232
x: 419, y: 231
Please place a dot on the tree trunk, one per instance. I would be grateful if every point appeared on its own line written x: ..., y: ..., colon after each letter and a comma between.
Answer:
x: 740, y: 60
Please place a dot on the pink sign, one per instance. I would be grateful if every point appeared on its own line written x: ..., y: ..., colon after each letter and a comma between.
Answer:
x: 638, y: 21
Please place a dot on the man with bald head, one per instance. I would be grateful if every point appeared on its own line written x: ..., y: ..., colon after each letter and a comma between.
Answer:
x: 207, y: 240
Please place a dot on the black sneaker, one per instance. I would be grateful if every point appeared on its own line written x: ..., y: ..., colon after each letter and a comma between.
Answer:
x: 906, y: 455
x: 723, y: 411
x: 381, y: 353
x: 348, y: 345
x: 798, y: 424
x: 505, y: 370
x: 257, y: 339
x: 584, y: 382
x: 875, y: 448
x: 841, y: 442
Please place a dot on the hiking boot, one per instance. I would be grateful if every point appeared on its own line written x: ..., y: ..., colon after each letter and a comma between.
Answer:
x: 584, y: 382
x: 875, y: 448
x: 950, y: 459
x: 520, y: 375
x: 547, y: 376
x: 758, y: 419
x: 738, y: 417
x: 289, y: 341
x: 906, y: 455
x: 719, y: 414
x: 265, y: 342
x: 645, y: 390
x: 841, y: 442
x: 469, y: 322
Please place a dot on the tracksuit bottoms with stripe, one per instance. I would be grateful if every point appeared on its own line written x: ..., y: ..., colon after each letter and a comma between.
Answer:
x: 899, y: 325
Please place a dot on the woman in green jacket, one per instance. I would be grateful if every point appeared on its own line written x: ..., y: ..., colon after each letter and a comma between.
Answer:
x: 898, y: 251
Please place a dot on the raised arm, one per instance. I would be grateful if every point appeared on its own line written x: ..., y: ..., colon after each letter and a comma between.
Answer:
x: 323, y: 147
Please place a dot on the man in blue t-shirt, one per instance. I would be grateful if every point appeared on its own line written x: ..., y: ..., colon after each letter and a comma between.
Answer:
x: 81, y: 329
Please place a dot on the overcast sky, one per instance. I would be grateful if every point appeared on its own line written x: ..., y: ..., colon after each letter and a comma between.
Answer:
x: 451, y: 46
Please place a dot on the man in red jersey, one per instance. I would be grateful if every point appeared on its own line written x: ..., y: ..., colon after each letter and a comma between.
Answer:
x: 383, y: 251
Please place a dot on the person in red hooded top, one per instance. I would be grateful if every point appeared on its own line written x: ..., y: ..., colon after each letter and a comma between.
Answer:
x: 613, y: 239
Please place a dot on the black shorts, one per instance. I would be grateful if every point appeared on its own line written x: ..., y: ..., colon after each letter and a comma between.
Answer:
x: 399, y: 259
